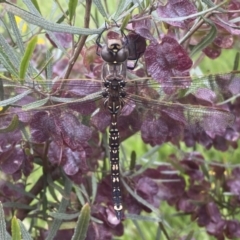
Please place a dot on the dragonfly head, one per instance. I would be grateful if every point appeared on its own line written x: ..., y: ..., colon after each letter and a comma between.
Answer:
x: 114, y: 45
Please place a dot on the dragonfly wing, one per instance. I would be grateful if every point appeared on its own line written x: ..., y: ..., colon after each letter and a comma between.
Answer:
x: 160, y: 121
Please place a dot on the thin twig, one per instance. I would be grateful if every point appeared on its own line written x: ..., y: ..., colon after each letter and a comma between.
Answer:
x: 81, y: 41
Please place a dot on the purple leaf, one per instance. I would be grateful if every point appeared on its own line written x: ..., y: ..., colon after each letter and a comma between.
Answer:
x: 136, y: 45
x: 11, y: 159
x: 166, y: 60
x: 177, y: 8
x: 232, y: 229
x: 212, y: 52
x: 223, y: 41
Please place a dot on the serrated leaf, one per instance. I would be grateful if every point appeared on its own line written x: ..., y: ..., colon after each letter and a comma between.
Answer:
x: 12, y: 126
x: 25, y: 234
x: 16, y: 233
x: 72, y: 5
x: 12, y: 100
x: 207, y: 39
x: 81, y: 228
x: 26, y: 58
x: 100, y: 8
x: 3, y: 230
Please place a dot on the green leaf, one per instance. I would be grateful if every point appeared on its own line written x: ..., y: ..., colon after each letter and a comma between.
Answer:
x: 190, y: 235
x: 62, y: 208
x: 35, y: 3
x: 16, y: 32
x: 81, y: 228
x: 12, y: 126
x: 8, y: 51
x: 207, y: 39
x: 64, y: 216
x: 125, y: 21
x: 25, y: 234
x: 121, y: 8
x: 72, y: 5
x: 43, y: 23
x: 133, y: 160
x: 16, y: 233
x: 100, y: 8
x: 143, y: 218
x: 3, y: 230
x: 6, y: 62
x: 236, y: 62
x: 26, y: 58
x: 14, y: 99
x: 17, y: 205
x: 35, y: 104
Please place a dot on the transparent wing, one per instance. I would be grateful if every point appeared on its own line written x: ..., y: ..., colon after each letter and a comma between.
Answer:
x: 149, y: 105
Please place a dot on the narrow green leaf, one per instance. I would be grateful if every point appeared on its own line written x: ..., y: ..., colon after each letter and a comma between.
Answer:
x: 3, y: 230
x: 62, y: 18
x: 94, y: 188
x: 41, y: 22
x: 121, y: 7
x: 100, y: 8
x: 16, y: 32
x: 143, y: 218
x: 12, y: 126
x: 62, y: 208
x: 81, y: 228
x: 35, y: 3
x: 64, y: 216
x: 12, y: 100
x: 1, y: 90
x: 17, y: 205
x: 190, y: 235
x: 20, y: 190
x: 125, y: 21
x: 16, y: 233
x: 207, y: 39
x: 35, y: 104
x: 79, y: 194
x: 133, y: 160
x: 72, y: 5
x: 26, y: 58
x: 25, y: 234
x: 6, y: 62
x: 8, y: 51
x: 236, y: 62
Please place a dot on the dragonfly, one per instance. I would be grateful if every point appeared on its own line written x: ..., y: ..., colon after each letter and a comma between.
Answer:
x: 66, y: 111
